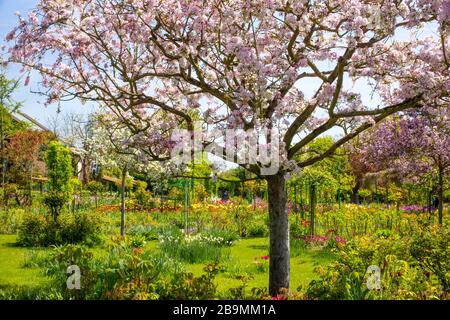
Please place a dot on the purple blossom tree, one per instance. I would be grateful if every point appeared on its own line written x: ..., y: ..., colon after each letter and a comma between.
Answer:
x: 242, y: 65
x: 414, y: 145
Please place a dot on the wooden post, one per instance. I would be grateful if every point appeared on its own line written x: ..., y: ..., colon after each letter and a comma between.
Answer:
x: 122, y: 198
x: 186, y: 206
x: 312, y: 206
x: 440, y: 195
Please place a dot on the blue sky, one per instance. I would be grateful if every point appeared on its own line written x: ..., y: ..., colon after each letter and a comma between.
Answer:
x: 33, y: 104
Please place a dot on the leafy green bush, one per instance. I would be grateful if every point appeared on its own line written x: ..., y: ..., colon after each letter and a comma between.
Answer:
x: 38, y: 230
x: 59, y: 169
x: 10, y: 220
x: 409, y: 268
x: 55, y: 201
x: 258, y: 229
x: 138, y: 241
x: 431, y: 249
x: 299, y: 229
x: 128, y: 273
x: 143, y: 197
x: 241, y: 215
x: 81, y: 227
x: 32, y: 230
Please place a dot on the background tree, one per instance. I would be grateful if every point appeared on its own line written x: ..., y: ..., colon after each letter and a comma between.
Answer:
x: 249, y: 63
x: 59, y: 172
x: 415, y: 146
x: 7, y: 126
x: 75, y: 130
x: 327, y: 179
x: 95, y: 188
x: 23, y: 150
x: 110, y: 148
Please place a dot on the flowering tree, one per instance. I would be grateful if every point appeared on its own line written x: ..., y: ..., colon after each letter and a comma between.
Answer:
x: 110, y: 146
x: 248, y: 65
x: 417, y: 144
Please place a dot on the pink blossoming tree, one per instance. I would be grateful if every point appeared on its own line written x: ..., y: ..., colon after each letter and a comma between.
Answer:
x: 239, y: 64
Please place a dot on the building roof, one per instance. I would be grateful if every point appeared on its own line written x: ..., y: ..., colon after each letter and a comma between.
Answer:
x: 23, y: 117
x: 36, y: 125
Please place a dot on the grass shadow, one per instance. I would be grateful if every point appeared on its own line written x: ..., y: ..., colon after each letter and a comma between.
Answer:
x: 258, y: 247
x: 11, y: 245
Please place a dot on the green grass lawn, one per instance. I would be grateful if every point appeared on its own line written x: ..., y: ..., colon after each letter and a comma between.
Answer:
x: 246, y: 251
x: 241, y: 260
x: 12, y: 265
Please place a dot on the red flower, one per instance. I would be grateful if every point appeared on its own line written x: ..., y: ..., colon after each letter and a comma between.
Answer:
x: 306, y: 223
x: 265, y: 257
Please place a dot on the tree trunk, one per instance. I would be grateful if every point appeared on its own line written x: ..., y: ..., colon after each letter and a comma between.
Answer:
x: 30, y: 184
x: 279, y: 252
x: 429, y: 201
x: 2, y: 146
x: 355, y: 191
x: 122, y: 219
x: 441, y: 195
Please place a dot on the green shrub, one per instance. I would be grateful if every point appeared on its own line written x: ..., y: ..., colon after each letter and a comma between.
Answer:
x: 258, y: 229
x: 409, y: 268
x: 142, y: 196
x: 39, y: 230
x: 241, y: 215
x: 298, y: 229
x: 138, y: 241
x: 10, y: 220
x: 58, y: 161
x: 431, y: 249
x: 56, y: 268
x: 55, y: 201
x: 128, y: 273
